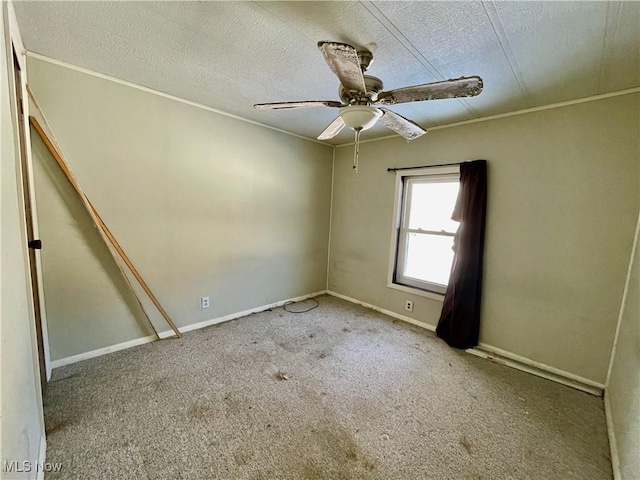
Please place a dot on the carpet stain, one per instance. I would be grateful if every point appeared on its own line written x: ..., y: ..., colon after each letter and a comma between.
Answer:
x: 241, y: 457
x: 235, y: 404
x: 293, y: 347
x: 55, y: 427
x: 346, y: 455
x: 352, y: 454
x: 64, y: 378
x: 464, y: 441
x: 311, y: 471
x: 322, y: 355
x: 198, y: 411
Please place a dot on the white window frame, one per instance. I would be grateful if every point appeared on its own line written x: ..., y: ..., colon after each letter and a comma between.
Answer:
x: 397, y: 251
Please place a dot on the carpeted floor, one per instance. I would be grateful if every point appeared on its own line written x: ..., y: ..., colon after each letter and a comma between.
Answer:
x: 340, y: 392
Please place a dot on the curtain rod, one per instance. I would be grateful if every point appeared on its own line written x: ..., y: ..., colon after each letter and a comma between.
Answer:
x: 394, y: 169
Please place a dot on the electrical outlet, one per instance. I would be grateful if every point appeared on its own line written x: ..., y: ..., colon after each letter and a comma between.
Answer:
x: 408, y: 305
x: 204, y: 302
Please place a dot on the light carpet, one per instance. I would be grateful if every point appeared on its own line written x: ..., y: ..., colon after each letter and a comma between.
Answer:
x: 340, y: 392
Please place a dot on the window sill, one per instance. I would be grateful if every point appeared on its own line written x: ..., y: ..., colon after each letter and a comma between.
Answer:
x: 417, y: 291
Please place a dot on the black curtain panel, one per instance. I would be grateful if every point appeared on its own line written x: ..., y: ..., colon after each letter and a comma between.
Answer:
x: 459, y: 323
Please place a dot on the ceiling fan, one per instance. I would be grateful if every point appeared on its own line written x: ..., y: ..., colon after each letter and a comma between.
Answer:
x: 361, y: 94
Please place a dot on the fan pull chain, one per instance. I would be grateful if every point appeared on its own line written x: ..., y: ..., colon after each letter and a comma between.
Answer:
x: 356, y: 153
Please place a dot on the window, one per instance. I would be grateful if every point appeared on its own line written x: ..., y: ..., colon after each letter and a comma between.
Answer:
x: 423, y: 230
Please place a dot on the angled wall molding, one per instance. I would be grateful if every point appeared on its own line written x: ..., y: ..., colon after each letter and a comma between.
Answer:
x: 44, y: 58
x: 512, y: 114
x: 237, y: 117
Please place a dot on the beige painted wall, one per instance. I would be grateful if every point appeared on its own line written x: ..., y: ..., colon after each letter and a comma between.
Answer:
x: 563, y: 199
x: 204, y: 204
x: 21, y: 417
x: 623, y: 386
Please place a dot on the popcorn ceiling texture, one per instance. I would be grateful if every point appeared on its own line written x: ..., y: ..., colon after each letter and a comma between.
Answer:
x: 338, y: 392
x: 230, y: 55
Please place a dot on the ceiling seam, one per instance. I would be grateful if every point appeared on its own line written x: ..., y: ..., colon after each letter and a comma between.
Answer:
x: 505, y: 44
x: 376, y: 13
x: 608, y: 42
x: 175, y: 98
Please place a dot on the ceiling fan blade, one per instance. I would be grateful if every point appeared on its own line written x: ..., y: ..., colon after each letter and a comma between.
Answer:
x: 284, y: 105
x: 456, y: 88
x: 333, y: 129
x: 343, y: 61
x: 400, y: 125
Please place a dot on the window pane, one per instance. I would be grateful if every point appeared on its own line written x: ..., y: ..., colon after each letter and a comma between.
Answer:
x: 432, y: 205
x: 429, y: 257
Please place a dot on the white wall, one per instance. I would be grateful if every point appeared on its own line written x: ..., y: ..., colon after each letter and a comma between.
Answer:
x: 563, y: 199
x: 204, y: 204
x: 623, y: 384
x: 22, y: 422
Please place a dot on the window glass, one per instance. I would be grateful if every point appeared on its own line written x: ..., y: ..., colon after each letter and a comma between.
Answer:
x: 425, y: 231
x: 432, y: 205
x: 429, y: 258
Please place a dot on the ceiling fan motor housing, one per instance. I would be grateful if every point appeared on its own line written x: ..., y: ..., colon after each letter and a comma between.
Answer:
x: 365, y: 57
x: 374, y: 86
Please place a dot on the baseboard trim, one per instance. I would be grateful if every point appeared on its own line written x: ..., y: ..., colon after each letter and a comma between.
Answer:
x: 500, y: 356
x: 613, y: 445
x: 42, y: 457
x: 102, y: 351
x: 404, y: 318
x: 233, y: 316
x: 536, y: 368
x: 168, y: 333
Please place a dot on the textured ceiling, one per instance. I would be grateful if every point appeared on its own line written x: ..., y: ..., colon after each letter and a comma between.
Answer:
x: 230, y: 55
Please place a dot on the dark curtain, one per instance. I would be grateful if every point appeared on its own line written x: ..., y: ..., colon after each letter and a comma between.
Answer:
x: 459, y: 323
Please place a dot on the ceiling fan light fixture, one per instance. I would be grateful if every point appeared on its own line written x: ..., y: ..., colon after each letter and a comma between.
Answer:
x: 360, y: 117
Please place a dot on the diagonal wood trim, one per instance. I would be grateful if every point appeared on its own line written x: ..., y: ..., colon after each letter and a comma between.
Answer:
x: 110, y: 240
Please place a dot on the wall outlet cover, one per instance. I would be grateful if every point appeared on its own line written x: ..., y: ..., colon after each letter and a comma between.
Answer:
x: 408, y: 305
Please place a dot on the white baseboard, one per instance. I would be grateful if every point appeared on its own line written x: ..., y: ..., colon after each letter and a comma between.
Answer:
x: 42, y: 457
x: 102, y: 351
x: 536, y: 368
x: 613, y: 445
x: 169, y: 333
x: 233, y: 316
x: 498, y: 355
x: 404, y: 318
